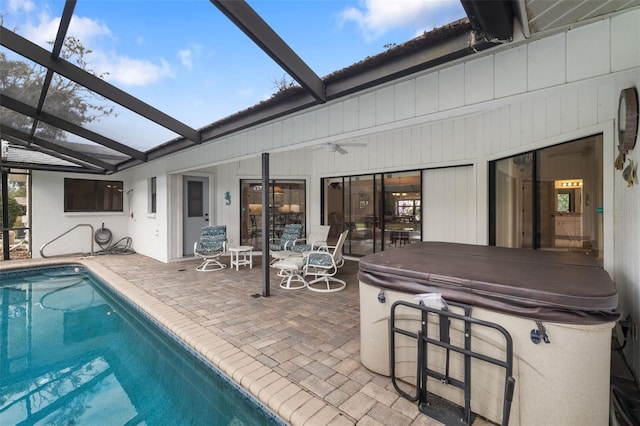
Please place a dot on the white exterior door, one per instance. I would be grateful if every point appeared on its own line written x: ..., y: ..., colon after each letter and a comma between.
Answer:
x: 196, y: 210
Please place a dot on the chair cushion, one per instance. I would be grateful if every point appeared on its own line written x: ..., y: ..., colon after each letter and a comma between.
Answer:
x: 322, y: 259
x: 214, y: 230
x: 289, y: 264
x: 300, y: 248
x: 212, y: 240
x: 208, y: 245
x: 290, y: 233
x: 275, y: 246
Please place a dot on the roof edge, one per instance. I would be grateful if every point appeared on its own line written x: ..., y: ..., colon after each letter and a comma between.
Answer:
x: 428, y: 50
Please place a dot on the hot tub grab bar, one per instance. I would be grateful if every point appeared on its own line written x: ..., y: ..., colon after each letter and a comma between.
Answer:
x: 431, y: 404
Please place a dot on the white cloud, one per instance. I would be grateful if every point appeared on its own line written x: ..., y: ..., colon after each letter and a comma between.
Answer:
x: 185, y: 58
x: 85, y: 29
x: 133, y: 72
x: 190, y: 55
x: 376, y: 17
x: 14, y: 6
x: 97, y: 37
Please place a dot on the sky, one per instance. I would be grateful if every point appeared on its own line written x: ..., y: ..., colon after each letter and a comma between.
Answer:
x: 185, y: 58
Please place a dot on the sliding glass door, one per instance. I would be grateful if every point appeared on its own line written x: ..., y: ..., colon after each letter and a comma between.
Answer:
x: 286, y: 205
x: 402, y: 220
x: 380, y: 211
x: 550, y: 199
x: 361, y: 216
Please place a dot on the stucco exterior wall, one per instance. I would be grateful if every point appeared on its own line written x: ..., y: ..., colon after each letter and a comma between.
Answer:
x: 49, y: 221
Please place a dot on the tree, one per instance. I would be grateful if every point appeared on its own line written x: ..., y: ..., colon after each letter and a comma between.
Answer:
x: 15, y: 210
x: 17, y: 189
x: 65, y: 99
x: 282, y: 83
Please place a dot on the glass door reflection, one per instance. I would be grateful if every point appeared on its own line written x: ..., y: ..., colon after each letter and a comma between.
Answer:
x: 361, y: 215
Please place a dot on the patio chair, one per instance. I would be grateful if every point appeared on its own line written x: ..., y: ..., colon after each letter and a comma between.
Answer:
x: 317, y: 239
x: 280, y: 248
x: 324, y: 265
x: 212, y: 245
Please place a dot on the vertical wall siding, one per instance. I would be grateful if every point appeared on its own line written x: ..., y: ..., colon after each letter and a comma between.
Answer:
x: 448, y: 208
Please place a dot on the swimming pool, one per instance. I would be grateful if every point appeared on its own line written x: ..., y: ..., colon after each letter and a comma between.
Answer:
x: 73, y: 352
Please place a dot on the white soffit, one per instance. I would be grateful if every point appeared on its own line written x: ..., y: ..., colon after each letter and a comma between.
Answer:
x: 544, y: 15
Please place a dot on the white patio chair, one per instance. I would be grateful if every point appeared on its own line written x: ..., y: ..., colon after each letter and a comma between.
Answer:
x: 280, y: 248
x: 324, y: 265
x: 316, y: 240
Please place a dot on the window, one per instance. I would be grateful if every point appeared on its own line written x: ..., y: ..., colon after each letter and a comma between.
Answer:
x: 408, y: 208
x: 563, y: 203
x: 152, y: 195
x: 92, y: 195
x: 195, y: 197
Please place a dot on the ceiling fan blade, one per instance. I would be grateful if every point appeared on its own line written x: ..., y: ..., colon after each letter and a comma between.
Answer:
x: 340, y: 149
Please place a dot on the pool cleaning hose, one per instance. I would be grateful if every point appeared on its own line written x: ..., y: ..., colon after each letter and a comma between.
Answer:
x: 103, y: 238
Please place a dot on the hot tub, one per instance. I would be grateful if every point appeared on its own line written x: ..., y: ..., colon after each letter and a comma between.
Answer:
x: 565, y: 381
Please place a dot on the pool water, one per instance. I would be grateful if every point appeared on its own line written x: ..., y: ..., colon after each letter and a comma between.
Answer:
x: 71, y: 352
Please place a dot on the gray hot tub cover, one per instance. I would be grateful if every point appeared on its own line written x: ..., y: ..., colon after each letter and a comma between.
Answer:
x: 560, y: 287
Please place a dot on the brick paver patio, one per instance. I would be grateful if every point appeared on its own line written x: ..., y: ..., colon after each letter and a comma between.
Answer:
x: 297, y: 351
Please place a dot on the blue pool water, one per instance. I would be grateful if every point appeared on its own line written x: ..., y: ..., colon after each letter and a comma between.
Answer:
x: 72, y: 352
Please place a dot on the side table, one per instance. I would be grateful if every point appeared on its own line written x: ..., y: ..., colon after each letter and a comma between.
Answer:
x: 247, y: 256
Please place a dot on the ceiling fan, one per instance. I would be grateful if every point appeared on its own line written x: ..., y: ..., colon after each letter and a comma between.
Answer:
x: 339, y: 147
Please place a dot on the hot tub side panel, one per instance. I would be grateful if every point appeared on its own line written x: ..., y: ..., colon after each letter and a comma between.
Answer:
x: 563, y: 382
